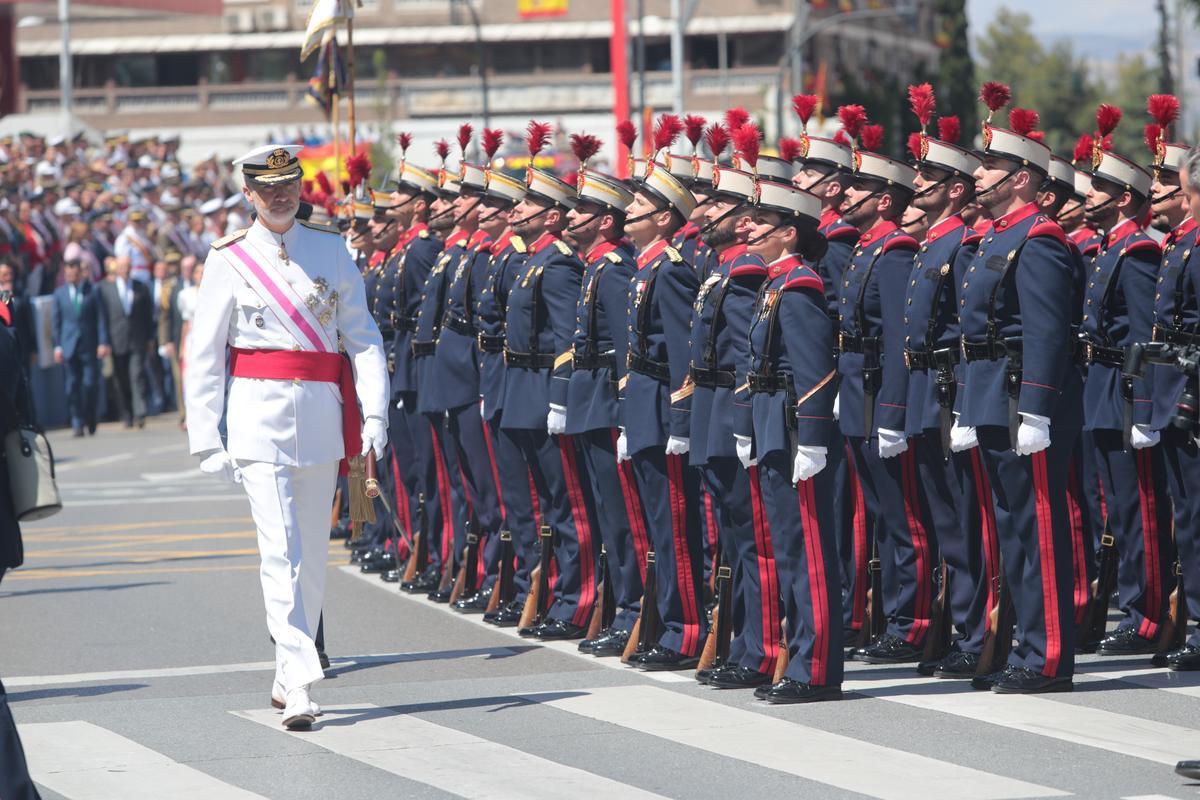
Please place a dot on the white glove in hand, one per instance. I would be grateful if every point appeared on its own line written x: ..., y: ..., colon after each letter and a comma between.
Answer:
x: 221, y: 465
x: 745, y: 446
x: 556, y: 420
x: 622, y: 447
x: 891, y: 443
x: 837, y: 409
x: 678, y: 446
x: 374, y: 436
x: 1033, y: 434
x: 807, y: 462
x: 962, y: 438
x: 1142, y: 436
x: 400, y: 404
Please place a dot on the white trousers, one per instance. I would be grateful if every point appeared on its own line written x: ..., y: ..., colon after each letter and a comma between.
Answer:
x: 290, y: 506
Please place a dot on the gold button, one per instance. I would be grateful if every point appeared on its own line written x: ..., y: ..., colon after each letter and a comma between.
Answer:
x: 972, y: 269
x: 1085, y: 317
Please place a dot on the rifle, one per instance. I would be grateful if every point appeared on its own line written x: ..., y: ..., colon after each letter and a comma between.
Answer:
x: 937, y: 638
x: 535, y: 604
x: 876, y: 624
x: 645, y: 631
x: 1095, y: 616
x: 337, y: 507
x: 605, y: 609
x: 464, y: 582
x: 872, y: 378
x: 505, y: 589
x: 997, y: 639
x: 716, y: 646
x: 1174, y: 629
x: 781, y: 663
x: 418, y: 561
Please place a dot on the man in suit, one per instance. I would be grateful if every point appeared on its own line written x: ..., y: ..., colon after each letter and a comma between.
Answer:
x: 80, y: 331
x: 130, y: 322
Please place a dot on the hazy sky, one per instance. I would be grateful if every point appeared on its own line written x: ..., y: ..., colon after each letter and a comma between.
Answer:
x: 1099, y: 28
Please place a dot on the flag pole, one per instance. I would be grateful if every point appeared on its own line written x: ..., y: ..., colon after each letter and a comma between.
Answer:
x: 350, y: 77
x: 337, y: 147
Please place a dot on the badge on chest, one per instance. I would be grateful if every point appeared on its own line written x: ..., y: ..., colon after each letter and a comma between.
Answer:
x: 321, y: 301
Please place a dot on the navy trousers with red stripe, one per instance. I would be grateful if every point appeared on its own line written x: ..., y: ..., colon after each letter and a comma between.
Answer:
x: 620, y: 519
x: 564, y: 497
x: 958, y: 518
x: 445, y: 505
x: 1139, y: 516
x: 1183, y: 479
x: 744, y: 538
x: 853, y: 524
x: 516, y: 501
x: 670, y: 492
x: 907, y: 545
x: 464, y: 428
x: 804, y: 540
x: 1087, y: 522
x: 1030, y: 497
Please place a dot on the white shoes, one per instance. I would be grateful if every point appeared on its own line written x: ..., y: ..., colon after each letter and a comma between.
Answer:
x: 299, y: 711
x: 279, y: 699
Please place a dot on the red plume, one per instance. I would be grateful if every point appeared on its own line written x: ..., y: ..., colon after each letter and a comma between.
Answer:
x: 914, y: 144
x: 745, y: 144
x: 804, y: 105
x: 404, y: 139
x: 949, y: 129
x: 717, y: 139
x: 1037, y: 136
x: 538, y: 134
x: 443, y: 149
x: 323, y: 182
x: 735, y: 118
x: 789, y: 149
x: 1152, y: 132
x: 1107, y: 118
x: 359, y: 168
x: 1022, y: 120
x: 666, y: 132
x: 584, y: 146
x: 841, y: 138
x: 306, y: 187
x: 694, y: 129
x: 872, y: 137
x: 1164, y: 108
x: 853, y: 118
x: 922, y: 103
x: 1106, y: 143
x: 995, y: 96
x: 491, y: 140
x: 627, y: 133
x: 1083, y: 148
x: 464, y: 136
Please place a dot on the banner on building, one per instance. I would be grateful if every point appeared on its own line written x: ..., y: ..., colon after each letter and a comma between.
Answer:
x: 531, y: 9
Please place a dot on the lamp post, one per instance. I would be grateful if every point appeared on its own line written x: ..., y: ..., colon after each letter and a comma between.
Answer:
x: 481, y: 57
x: 66, y: 75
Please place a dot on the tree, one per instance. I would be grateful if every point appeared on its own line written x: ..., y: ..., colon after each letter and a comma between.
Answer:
x: 956, y: 87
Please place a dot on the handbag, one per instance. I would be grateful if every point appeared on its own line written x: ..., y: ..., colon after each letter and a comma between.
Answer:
x: 31, y: 474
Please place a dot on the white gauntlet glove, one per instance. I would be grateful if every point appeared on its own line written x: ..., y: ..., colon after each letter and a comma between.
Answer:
x: 745, y: 446
x: 622, y: 447
x: 807, y: 462
x: 1143, y: 436
x: 962, y: 438
x: 891, y: 443
x: 678, y: 446
x: 374, y: 436
x: 1033, y: 434
x: 837, y: 410
x: 221, y: 465
x: 556, y: 420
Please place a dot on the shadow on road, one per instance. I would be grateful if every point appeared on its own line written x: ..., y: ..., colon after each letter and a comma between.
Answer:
x: 349, y: 664
x: 110, y: 587
x: 74, y: 691
x: 351, y: 716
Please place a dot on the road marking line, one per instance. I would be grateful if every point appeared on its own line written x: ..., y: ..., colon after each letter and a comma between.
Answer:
x: 448, y: 759
x: 248, y: 666
x: 1091, y: 727
x: 48, y: 573
x: 33, y: 530
x: 178, y: 475
x: 570, y: 648
x: 86, y: 762
x: 1150, y: 797
x: 94, y: 462
x: 70, y: 502
x: 811, y: 753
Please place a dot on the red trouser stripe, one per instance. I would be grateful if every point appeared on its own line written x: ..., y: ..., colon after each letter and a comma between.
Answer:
x: 861, y: 553
x: 710, y: 520
x: 920, y: 542
x: 1045, y: 529
x: 533, y: 500
x: 1078, y: 560
x: 1148, y: 502
x: 768, y: 579
x: 818, y: 585
x: 491, y: 450
x: 444, y: 499
x: 633, y: 509
x: 683, y: 560
x: 987, y: 518
x: 403, y: 511
x: 583, y: 531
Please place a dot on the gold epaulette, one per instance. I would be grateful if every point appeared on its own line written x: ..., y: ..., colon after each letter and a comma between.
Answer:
x: 225, y: 241
x: 613, y: 256
x: 424, y: 234
x: 563, y: 247
x: 673, y: 254
x: 316, y: 226
x: 518, y: 244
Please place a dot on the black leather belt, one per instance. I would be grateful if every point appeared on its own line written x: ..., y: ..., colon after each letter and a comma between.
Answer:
x: 944, y: 358
x: 459, y: 326
x: 712, y: 378
x: 1162, y: 333
x: 1089, y: 353
x: 594, y: 361
x: 854, y: 344
x: 408, y: 324
x: 987, y: 350
x: 528, y: 360
x: 386, y: 332
x: 421, y: 349
x: 490, y: 342
x: 648, y: 366
x: 769, y: 382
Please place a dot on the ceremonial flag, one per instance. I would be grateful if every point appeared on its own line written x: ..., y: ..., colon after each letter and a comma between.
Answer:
x: 325, y: 14
x: 325, y: 86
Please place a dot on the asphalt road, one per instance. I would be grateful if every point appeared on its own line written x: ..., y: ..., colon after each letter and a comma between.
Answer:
x: 135, y: 653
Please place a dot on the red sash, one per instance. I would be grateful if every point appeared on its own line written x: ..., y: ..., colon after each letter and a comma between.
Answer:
x: 305, y: 365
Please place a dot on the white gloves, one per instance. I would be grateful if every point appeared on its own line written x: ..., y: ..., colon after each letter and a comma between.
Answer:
x: 374, y: 436
x: 556, y: 420
x: 962, y: 438
x: 1033, y: 434
x: 678, y: 446
x: 807, y: 462
x: 622, y: 447
x: 221, y: 465
x: 837, y: 409
x: 1142, y: 436
x: 400, y: 404
x: 891, y: 443
x: 745, y: 446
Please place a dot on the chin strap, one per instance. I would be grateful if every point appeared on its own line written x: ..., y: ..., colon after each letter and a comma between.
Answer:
x: 458, y: 220
x: 584, y: 223
x: 931, y: 187
x: 846, y: 211
x: 709, y: 226
x: 531, y: 217
x: 1155, y: 200
x: 1007, y: 176
x: 757, y: 239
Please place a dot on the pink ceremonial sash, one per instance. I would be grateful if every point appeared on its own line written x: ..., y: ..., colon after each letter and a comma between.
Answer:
x: 282, y: 301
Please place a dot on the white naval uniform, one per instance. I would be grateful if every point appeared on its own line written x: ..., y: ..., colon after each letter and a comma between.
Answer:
x: 286, y: 436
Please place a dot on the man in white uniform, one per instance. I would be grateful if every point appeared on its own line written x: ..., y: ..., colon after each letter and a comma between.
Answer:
x: 277, y: 303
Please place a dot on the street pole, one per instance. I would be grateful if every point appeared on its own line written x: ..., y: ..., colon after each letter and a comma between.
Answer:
x: 641, y: 63
x: 678, y: 23
x: 797, y: 45
x: 66, y: 77
x: 482, y: 56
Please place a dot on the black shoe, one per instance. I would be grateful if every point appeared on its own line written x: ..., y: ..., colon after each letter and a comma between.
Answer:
x: 141, y: 422
x: 392, y: 575
x: 704, y: 675
x: 324, y: 659
x: 424, y: 583
x: 738, y: 678
x: 891, y: 650
x: 960, y: 666
x: 557, y: 629
x: 340, y: 531
x: 662, y: 659
x: 984, y: 683
x: 927, y: 668
x: 1126, y: 642
x: 790, y: 691
x: 361, y: 553
x: 529, y: 631
x: 506, y: 616
x: 1185, y: 659
x: 77, y: 433
x: 475, y: 604
x: 1188, y: 769
x: 380, y: 563
x: 761, y: 692
x: 439, y: 595
x: 1023, y: 680
x: 586, y: 645
x: 612, y: 645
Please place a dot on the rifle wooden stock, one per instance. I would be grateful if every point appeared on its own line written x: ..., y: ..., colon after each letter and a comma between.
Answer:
x: 603, y: 596
x: 505, y: 589
x: 716, y: 646
x: 875, y: 624
x: 465, y: 580
x: 645, y: 631
x: 1095, y: 616
x: 997, y: 639
x: 1174, y: 628
x: 781, y: 663
x: 535, y: 611
x: 418, y: 560
x: 937, y: 638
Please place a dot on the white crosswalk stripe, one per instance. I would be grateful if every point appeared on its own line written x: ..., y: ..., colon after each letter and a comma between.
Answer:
x: 82, y: 761
x: 436, y: 755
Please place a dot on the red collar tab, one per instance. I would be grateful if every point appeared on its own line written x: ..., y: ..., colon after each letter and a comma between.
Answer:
x: 652, y: 252
x: 949, y: 224
x: 828, y: 217
x: 783, y: 265
x: 376, y: 258
x: 479, y: 240
x: 881, y: 229
x: 459, y: 236
x: 501, y: 244
x: 1123, y: 231
x: 730, y: 253
x: 1081, y: 234
x: 688, y: 231
x: 600, y: 251
x: 1182, y: 230
x: 544, y: 241
x: 1014, y: 217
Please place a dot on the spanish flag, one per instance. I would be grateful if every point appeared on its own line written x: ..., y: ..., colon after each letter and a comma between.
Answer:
x: 325, y: 15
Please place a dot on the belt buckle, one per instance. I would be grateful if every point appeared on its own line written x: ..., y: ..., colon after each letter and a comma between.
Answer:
x: 1089, y: 350
x: 908, y: 359
x: 842, y: 341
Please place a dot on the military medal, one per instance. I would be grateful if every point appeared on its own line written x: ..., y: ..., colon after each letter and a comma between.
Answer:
x: 259, y: 322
